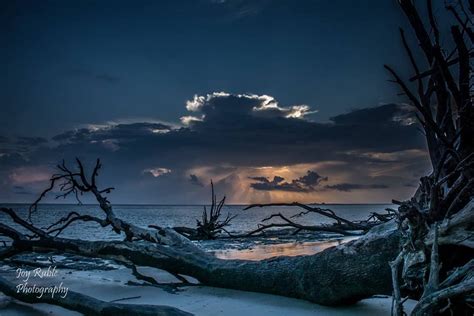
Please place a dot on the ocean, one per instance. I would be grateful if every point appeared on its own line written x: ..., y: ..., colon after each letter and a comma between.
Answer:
x: 178, y: 215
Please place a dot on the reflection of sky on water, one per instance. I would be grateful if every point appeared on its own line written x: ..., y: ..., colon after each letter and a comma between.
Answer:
x: 264, y: 251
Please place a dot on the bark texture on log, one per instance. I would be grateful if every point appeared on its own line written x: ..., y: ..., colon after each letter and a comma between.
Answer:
x: 90, y: 306
x: 338, y: 275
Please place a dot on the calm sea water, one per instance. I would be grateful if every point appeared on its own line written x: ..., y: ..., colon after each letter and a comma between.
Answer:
x: 177, y: 215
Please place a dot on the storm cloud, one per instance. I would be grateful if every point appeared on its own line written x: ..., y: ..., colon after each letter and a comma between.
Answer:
x: 346, y: 187
x: 253, y: 130
x: 306, y: 183
x: 195, y: 180
x: 232, y: 132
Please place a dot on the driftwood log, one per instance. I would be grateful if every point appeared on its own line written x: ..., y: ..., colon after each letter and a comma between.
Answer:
x: 335, y: 276
x: 90, y: 306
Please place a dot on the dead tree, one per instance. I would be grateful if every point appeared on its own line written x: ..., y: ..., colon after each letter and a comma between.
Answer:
x: 441, y: 93
x: 210, y: 225
x: 341, y: 226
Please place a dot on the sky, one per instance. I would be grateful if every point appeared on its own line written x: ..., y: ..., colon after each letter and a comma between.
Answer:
x: 272, y: 100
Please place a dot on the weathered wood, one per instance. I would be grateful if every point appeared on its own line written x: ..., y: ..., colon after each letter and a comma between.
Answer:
x: 338, y: 275
x: 88, y: 305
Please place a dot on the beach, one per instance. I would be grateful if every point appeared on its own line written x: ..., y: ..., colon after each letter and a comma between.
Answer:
x: 112, y: 282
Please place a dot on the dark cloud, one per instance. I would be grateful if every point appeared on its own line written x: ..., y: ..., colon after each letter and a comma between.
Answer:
x: 195, y: 180
x: 265, y: 179
x: 371, y: 116
x: 122, y: 132
x: 306, y: 183
x: 246, y: 130
x: 259, y: 121
x: 347, y: 187
x: 311, y: 179
x: 228, y: 132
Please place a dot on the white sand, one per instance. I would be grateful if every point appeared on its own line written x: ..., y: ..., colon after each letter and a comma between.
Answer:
x: 199, y: 300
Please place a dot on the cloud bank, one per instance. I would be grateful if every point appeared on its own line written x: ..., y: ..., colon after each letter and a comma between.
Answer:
x: 240, y: 139
x: 306, y: 183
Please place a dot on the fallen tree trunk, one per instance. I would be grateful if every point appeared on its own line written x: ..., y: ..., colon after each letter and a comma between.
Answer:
x: 339, y: 275
x: 89, y: 305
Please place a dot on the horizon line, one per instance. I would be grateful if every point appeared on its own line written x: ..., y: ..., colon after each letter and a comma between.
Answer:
x: 202, y: 204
